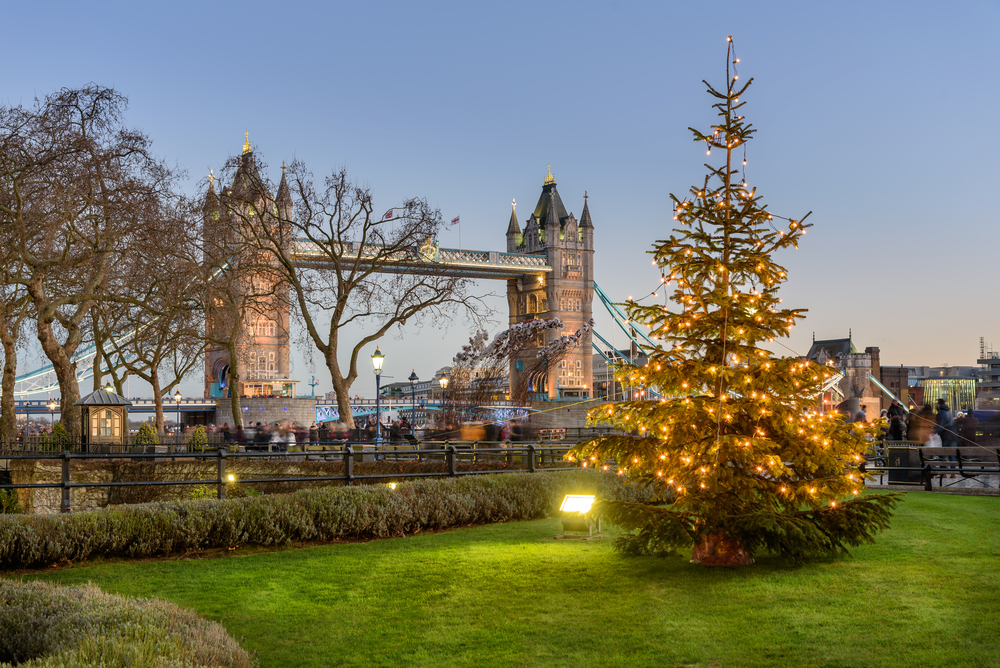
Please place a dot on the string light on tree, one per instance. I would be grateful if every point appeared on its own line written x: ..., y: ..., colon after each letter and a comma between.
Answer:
x: 741, y: 459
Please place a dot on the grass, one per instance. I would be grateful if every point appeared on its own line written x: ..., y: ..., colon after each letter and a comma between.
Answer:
x: 928, y: 594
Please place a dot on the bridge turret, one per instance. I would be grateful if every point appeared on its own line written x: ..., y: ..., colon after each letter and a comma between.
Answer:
x: 284, y: 199
x: 513, y: 230
x: 567, y: 293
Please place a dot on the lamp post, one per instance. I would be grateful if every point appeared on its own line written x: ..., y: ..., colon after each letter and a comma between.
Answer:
x: 52, y: 417
x: 377, y: 359
x: 177, y: 439
x: 413, y: 397
x: 444, y: 387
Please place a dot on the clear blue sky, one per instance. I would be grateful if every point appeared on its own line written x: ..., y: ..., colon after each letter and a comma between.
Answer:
x: 875, y: 116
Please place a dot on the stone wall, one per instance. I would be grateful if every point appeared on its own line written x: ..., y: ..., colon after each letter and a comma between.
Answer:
x: 46, y: 500
x: 302, y: 411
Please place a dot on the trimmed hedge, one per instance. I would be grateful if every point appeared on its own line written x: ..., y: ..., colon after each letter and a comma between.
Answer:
x: 48, y: 626
x: 324, y: 514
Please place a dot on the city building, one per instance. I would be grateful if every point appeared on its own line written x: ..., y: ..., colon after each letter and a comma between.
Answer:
x: 955, y: 384
x: 567, y: 293
x: 989, y: 378
x: 856, y: 368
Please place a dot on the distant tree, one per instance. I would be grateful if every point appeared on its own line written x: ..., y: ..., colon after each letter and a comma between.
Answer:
x: 735, y: 444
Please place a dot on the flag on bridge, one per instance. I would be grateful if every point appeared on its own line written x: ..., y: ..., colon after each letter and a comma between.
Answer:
x: 454, y: 221
x: 388, y: 215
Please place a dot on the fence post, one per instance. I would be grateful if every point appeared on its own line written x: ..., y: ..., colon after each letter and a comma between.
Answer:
x: 221, y: 489
x: 452, y: 471
x: 65, y: 481
x: 348, y: 465
x: 531, y: 457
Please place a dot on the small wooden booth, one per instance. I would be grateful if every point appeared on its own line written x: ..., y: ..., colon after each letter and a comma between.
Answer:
x: 105, y: 421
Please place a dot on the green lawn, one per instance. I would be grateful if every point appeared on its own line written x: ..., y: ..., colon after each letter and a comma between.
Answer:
x: 928, y: 594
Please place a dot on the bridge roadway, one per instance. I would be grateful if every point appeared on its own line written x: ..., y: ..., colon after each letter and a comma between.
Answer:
x: 430, y: 259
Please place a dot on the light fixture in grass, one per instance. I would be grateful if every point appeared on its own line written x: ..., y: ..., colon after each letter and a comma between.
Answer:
x: 733, y: 440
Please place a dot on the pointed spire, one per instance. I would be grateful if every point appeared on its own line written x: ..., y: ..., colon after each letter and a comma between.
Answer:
x: 513, y: 227
x: 284, y: 194
x: 246, y: 146
x: 585, y: 220
x: 211, y: 201
x: 552, y: 218
x: 550, y: 180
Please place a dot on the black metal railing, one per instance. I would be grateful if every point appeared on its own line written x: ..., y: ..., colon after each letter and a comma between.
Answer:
x: 529, y: 457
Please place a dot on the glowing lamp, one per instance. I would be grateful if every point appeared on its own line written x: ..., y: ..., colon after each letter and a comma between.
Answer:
x: 392, y: 485
x: 573, y: 510
x: 577, y: 503
x: 377, y: 359
x: 231, y: 477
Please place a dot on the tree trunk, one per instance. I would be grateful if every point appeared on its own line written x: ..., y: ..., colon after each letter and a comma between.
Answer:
x: 342, y: 388
x: 234, y: 384
x: 8, y: 418
x: 65, y: 370
x: 718, y: 549
x: 154, y: 381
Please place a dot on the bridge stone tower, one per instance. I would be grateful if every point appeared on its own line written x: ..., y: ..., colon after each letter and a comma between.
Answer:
x: 256, y: 299
x: 567, y: 293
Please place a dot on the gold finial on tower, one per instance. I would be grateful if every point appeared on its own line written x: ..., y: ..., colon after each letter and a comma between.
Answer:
x: 549, y: 180
x: 513, y: 204
x: 246, y: 147
x: 211, y: 178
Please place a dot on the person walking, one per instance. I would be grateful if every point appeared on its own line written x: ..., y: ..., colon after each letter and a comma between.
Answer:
x: 897, y: 421
x: 967, y: 428
x: 946, y: 425
x: 861, y: 415
x: 313, y: 435
x: 920, y: 425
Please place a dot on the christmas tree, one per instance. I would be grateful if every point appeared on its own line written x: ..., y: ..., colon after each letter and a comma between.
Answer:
x: 743, y: 460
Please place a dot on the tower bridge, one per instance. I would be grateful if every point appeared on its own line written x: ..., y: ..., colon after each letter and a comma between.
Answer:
x: 548, y: 266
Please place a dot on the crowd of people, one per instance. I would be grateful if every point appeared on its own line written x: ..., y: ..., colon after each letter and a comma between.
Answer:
x: 931, y: 427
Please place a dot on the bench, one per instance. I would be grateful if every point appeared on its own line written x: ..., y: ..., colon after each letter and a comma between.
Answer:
x: 972, y: 461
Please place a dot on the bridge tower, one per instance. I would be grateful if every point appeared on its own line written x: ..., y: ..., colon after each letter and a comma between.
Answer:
x: 567, y: 293
x: 255, y: 297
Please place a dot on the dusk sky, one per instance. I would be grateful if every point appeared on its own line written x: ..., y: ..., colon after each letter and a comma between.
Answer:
x: 871, y: 115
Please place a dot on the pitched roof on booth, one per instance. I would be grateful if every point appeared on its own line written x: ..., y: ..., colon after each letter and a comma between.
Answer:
x: 103, y: 398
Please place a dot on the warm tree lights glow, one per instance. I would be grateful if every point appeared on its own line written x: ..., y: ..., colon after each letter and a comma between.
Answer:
x: 735, y: 444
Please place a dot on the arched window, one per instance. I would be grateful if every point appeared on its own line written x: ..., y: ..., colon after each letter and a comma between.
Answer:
x: 532, y: 304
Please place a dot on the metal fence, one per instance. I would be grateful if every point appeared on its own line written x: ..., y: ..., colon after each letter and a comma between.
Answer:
x: 531, y: 457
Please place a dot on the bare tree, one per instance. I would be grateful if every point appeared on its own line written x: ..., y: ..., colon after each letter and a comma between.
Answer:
x: 153, y: 329
x: 344, y: 264
x: 79, y: 184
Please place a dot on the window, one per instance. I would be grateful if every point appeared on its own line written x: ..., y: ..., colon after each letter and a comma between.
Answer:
x: 532, y: 304
x: 263, y: 327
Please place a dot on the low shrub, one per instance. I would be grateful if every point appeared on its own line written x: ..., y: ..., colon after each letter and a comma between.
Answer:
x: 199, y: 439
x: 324, y: 514
x: 146, y: 435
x: 49, y: 626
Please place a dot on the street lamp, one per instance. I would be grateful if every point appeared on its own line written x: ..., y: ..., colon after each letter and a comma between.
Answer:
x: 444, y: 386
x: 52, y: 417
x: 177, y: 439
x: 413, y: 397
x: 377, y: 359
